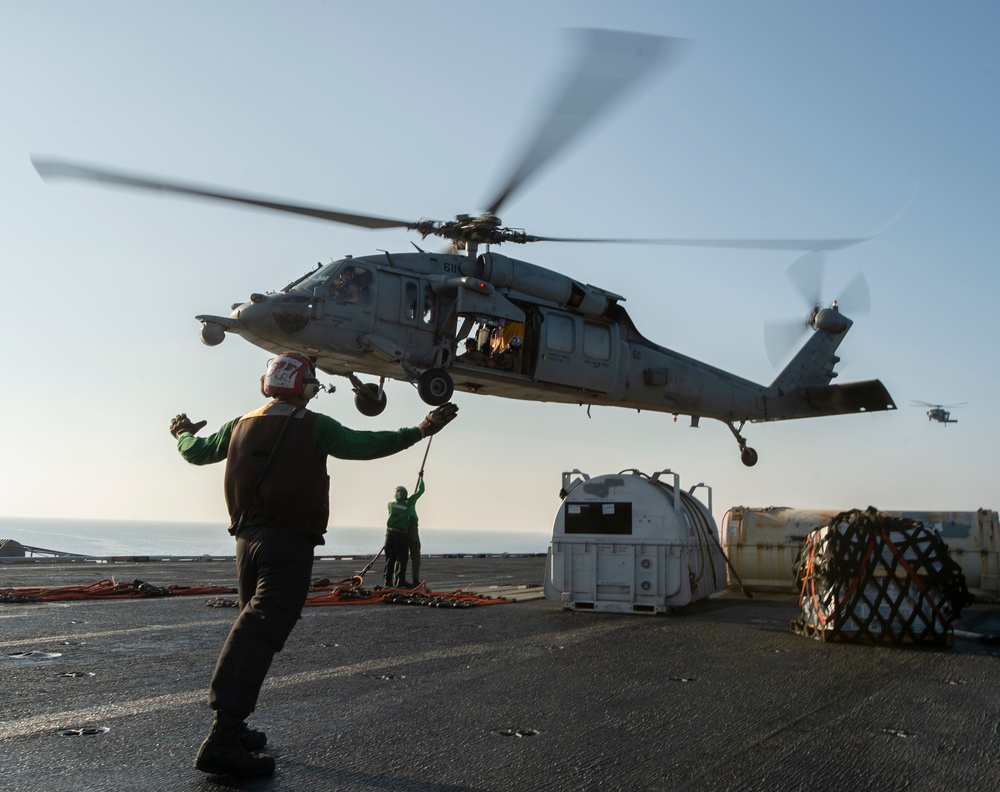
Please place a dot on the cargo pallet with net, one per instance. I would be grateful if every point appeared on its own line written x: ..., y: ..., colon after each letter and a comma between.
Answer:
x: 871, y: 578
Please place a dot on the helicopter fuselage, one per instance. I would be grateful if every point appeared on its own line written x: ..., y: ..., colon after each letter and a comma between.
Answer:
x: 394, y: 316
x: 540, y: 335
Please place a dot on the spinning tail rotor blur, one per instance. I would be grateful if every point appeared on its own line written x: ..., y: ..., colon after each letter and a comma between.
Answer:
x: 806, y: 274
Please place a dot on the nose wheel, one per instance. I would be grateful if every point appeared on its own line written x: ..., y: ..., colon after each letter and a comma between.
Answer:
x: 369, y: 398
x: 748, y: 456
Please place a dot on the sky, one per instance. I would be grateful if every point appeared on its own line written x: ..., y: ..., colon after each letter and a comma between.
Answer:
x: 782, y: 119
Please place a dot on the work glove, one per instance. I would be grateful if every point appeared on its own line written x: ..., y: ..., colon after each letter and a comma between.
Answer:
x: 181, y: 423
x: 437, y: 419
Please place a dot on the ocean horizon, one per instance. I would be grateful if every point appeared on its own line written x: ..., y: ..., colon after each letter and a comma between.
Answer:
x: 143, y: 537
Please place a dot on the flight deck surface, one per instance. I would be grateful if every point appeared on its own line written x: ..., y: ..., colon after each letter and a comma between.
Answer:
x: 718, y: 696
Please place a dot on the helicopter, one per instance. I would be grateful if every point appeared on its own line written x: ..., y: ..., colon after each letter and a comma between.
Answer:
x: 938, y: 412
x: 489, y: 324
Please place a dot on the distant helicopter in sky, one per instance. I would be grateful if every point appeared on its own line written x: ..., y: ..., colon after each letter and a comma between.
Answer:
x: 938, y: 412
x: 493, y: 325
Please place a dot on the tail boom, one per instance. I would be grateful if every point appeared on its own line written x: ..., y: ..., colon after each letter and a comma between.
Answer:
x: 803, y: 389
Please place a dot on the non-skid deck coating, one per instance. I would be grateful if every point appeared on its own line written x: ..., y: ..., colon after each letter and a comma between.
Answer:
x: 720, y: 696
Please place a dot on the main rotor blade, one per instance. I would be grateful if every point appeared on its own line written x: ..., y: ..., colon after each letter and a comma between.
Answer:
x: 68, y: 170
x: 607, y: 63
x: 751, y: 244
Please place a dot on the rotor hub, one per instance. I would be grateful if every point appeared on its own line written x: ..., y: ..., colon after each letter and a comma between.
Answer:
x: 466, y: 230
x: 831, y: 320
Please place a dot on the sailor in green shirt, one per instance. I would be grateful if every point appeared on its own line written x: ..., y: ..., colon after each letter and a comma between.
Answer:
x: 413, y: 535
x: 278, y: 496
x: 401, y: 522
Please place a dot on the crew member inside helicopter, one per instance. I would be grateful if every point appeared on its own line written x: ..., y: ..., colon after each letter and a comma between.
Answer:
x: 500, y: 347
x: 509, y: 358
x: 502, y: 336
x: 351, y: 287
x: 472, y: 355
x: 505, y: 346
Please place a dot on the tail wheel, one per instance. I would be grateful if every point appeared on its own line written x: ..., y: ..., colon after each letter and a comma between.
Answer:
x: 435, y: 386
x: 368, y: 401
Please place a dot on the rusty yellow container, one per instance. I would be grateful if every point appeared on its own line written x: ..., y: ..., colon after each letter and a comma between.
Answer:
x: 762, y: 544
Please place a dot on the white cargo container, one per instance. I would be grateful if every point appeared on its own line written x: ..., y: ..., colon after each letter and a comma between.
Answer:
x: 762, y: 544
x: 632, y: 543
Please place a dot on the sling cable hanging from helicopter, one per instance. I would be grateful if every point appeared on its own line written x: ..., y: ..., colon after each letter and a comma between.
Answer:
x: 350, y: 591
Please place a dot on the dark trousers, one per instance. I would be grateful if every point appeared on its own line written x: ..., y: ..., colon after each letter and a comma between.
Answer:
x: 413, y: 545
x: 274, y: 569
x: 396, y: 551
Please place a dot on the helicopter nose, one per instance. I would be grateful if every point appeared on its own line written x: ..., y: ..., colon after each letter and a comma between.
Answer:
x: 253, y: 315
x: 291, y: 312
x: 265, y: 314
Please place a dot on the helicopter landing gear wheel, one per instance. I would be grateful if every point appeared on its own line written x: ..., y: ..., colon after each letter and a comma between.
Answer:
x: 747, y: 455
x: 368, y: 400
x: 435, y: 386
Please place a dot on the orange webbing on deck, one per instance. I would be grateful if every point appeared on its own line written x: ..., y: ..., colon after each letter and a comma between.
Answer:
x: 105, y: 589
x: 347, y: 593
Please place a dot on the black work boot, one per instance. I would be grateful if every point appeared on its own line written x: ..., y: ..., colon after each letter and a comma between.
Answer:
x: 251, y: 739
x: 222, y: 753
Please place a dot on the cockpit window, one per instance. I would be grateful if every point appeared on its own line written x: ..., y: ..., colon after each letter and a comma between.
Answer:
x: 318, y: 276
x: 351, y: 285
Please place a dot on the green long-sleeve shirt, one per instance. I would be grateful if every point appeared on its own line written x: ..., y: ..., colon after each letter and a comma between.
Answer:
x: 329, y: 436
x: 403, y: 514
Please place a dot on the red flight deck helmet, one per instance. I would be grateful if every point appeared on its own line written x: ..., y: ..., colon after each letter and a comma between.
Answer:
x: 289, y: 374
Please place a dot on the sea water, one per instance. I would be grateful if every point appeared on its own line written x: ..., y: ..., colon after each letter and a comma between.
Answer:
x: 139, y: 537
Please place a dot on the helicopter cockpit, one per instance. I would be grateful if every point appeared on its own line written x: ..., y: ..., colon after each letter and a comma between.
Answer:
x: 340, y: 281
x: 317, y: 277
x: 352, y: 285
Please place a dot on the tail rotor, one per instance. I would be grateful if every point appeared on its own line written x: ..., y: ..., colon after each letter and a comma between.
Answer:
x: 806, y: 274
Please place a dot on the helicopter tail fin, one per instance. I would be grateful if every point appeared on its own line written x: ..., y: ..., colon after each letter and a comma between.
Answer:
x: 813, y: 364
x: 803, y: 389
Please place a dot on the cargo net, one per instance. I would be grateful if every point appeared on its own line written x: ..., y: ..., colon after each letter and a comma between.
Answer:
x: 868, y: 577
